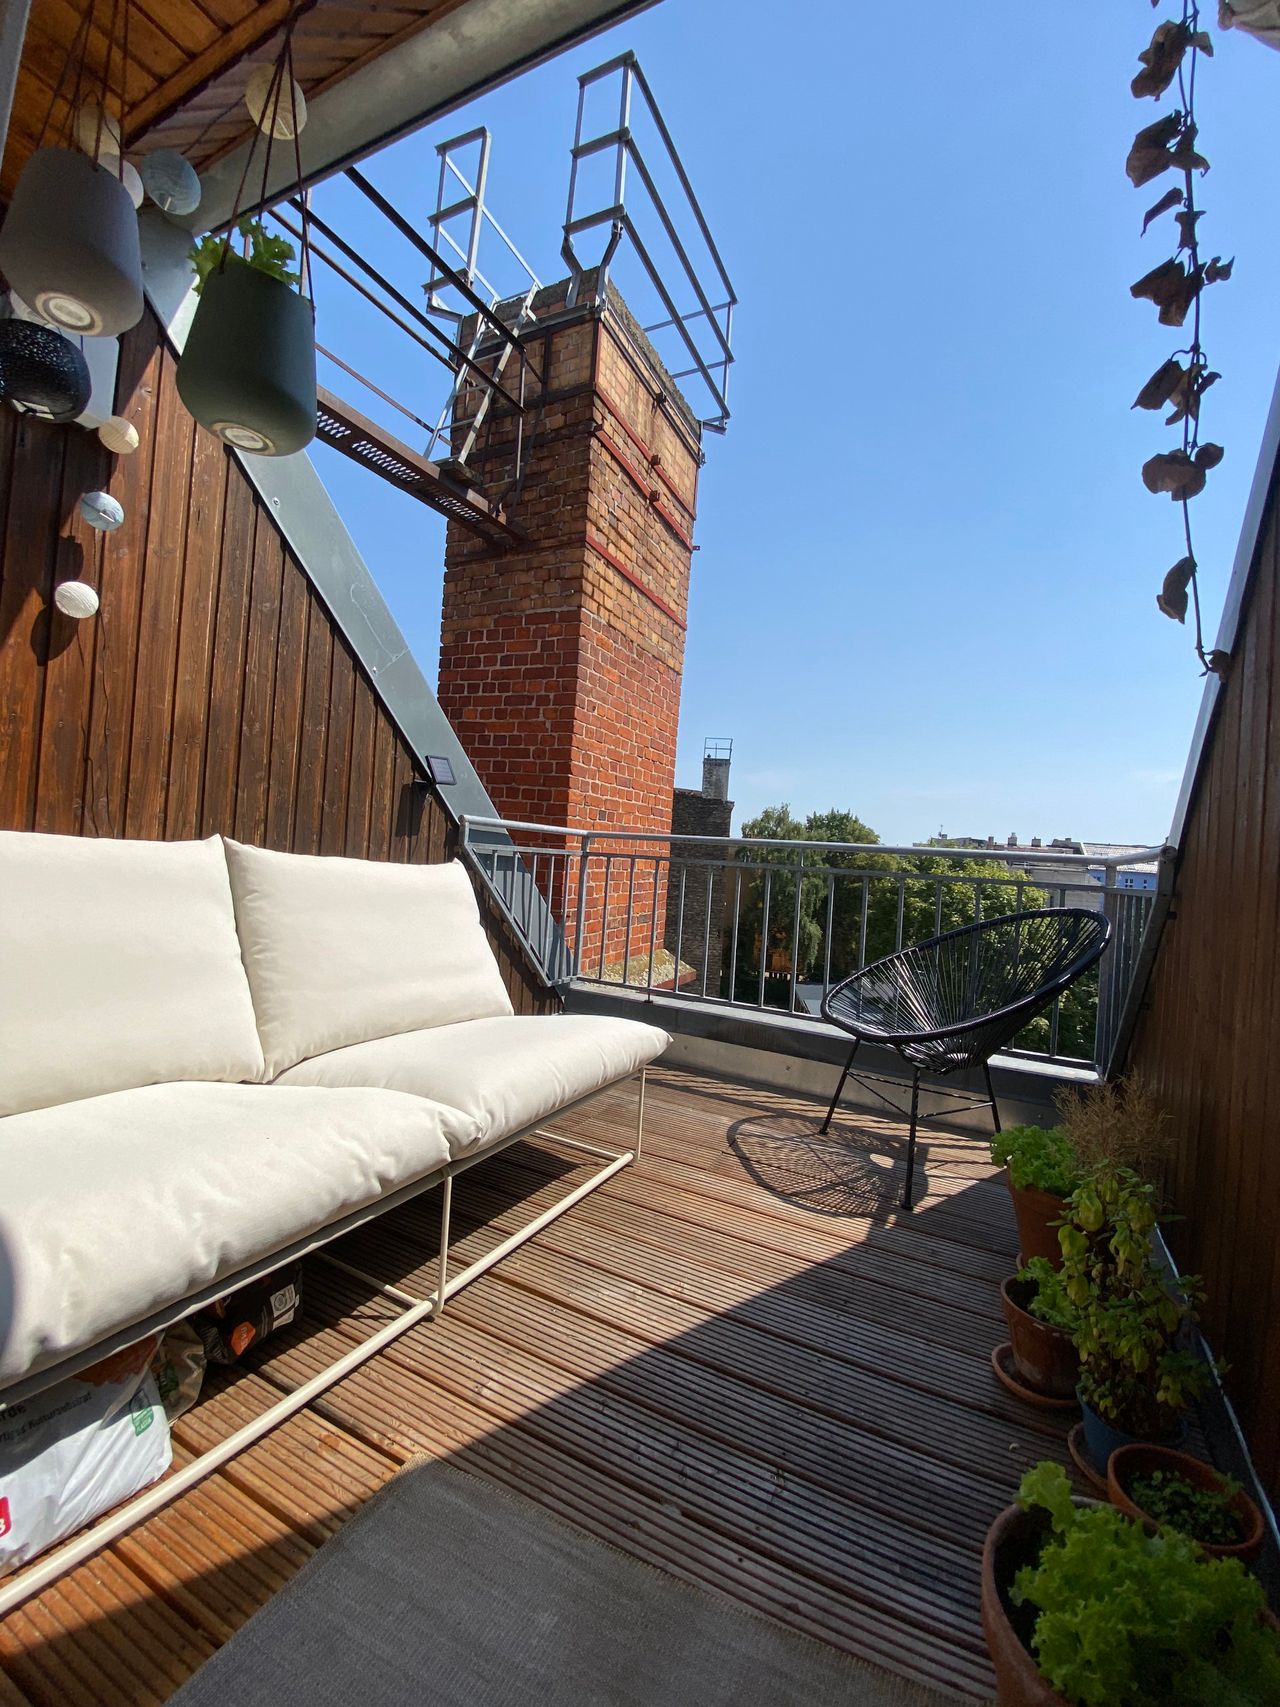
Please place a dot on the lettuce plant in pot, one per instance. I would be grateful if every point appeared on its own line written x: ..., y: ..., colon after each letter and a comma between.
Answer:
x: 1041, y: 1320
x: 1082, y: 1607
x: 1132, y: 1322
x: 248, y: 371
x: 1041, y: 1173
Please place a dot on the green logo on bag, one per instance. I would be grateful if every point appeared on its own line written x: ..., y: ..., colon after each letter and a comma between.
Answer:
x: 142, y: 1414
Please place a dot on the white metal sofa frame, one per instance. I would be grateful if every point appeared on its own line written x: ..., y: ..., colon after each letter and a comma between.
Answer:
x: 43, y: 1571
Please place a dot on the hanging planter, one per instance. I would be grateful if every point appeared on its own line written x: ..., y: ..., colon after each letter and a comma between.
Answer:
x: 43, y: 370
x: 248, y: 371
x: 69, y: 245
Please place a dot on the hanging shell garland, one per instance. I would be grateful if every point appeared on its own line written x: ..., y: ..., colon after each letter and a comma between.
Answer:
x: 274, y: 116
x: 76, y: 599
x: 102, y: 511
x: 98, y: 133
x: 119, y: 436
x: 171, y: 181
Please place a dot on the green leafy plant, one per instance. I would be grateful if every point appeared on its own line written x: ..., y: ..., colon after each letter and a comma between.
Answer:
x: 1205, y: 1514
x: 1127, y: 1619
x: 1129, y: 1320
x: 1049, y: 1302
x: 1039, y: 1157
x: 267, y: 252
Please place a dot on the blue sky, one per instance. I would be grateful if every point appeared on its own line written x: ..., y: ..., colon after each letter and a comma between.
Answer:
x: 927, y: 575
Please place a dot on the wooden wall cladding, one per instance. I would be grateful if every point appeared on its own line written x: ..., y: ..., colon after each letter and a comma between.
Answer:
x: 1207, y: 1037
x: 213, y: 692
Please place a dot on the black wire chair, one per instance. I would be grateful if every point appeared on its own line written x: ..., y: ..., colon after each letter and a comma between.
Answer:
x: 952, y: 1002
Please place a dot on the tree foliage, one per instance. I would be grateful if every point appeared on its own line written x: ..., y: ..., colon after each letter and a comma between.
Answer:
x: 840, y: 908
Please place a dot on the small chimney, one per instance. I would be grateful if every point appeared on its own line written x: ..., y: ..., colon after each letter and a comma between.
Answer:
x: 1013, y: 841
x: 717, y: 755
x: 1036, y: 842
x: 991, y: 841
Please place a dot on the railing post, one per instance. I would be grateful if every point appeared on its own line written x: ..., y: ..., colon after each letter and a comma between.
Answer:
x: 1110, y: 973
x: 584, y: 852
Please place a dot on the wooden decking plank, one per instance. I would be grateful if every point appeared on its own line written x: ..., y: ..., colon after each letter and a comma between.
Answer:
x: 402, y: 1411
x: 743, y: 1497
x: 610, y: 1236
x: 877, y: 1283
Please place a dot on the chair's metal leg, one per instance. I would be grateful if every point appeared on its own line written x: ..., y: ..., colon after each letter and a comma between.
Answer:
x: 911, y: 1141
x: 639, y: 1115
x: 826, y: 1125
x: 443, y: 1281
x: 991, y: 1095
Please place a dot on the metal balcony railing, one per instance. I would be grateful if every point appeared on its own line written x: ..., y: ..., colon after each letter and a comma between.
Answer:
x: 770, y: 926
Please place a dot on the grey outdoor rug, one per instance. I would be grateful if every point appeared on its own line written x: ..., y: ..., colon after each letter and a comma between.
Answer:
x: 446, y: 1591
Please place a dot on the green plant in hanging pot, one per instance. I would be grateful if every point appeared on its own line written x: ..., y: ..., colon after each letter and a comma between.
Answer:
x: 1132, y: 1322
x: 248, y: 371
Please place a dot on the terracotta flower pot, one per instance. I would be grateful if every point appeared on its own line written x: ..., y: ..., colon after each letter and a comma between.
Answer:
x: 1141, y: 1459
x: 1044, y: 1356
x: 1014, y: 1540
x: 1035, y: 1211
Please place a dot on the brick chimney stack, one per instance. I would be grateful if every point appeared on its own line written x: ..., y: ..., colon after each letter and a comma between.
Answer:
x: 560, y: 665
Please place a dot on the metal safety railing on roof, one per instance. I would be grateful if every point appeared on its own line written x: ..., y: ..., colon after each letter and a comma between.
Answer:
x: 434, y: 479
x: 702, y: 328
x: 772, y: 925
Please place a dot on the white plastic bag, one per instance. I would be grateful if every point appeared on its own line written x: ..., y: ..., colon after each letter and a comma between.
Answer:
x: 77, y: 1449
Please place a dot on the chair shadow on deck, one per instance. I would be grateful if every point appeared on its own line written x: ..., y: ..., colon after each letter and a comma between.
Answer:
x: 851, y: 1170
x: 784, y: 1395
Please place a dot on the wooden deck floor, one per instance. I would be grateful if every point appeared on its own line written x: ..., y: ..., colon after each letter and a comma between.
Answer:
x: 735, y: 1361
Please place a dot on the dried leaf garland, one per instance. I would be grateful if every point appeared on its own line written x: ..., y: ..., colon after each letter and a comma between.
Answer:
x: 1150, y: 153
x: 1209, y: 456
x: 1161, y: 60
x: 1171, y: 198
x: 1172, y: 288
x: 1174, y: 472
x: 1172, y: 597
x: 1185, y: 396
x: 1164, y: 383
x: 1218, y: 269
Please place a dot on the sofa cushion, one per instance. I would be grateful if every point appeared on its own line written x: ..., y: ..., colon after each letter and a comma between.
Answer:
x: 119, y: 1205
x: 121, y: 968
x: 340, y: 950
x: 507, y: 1072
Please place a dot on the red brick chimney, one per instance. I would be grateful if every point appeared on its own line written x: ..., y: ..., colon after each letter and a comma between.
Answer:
x: 560, y: 665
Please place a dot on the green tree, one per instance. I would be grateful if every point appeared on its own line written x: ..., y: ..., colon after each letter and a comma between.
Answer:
x: 842, y: 907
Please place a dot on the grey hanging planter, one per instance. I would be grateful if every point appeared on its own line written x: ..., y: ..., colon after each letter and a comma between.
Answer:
x: 43, y: 370
x: 248, y: 372
x: 69, y: 245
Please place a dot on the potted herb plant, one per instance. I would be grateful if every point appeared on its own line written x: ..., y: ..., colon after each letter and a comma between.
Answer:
x: 1176, y: 1491
x: 1041, y: 1319
x: 1041, y: 1172
x: 1137, y: 1378
x: 1081, y: 1607
x: 248, y: 371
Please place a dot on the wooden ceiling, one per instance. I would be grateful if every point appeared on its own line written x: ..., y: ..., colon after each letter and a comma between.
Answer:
x: 183, y: 84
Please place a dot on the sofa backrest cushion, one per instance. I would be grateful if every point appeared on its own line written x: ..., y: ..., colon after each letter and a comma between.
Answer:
x: 339, y: 951
x: 119, y: 967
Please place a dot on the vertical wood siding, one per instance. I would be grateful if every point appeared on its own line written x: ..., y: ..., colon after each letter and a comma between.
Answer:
x: 213, y: 692
x: 1208, y: 1035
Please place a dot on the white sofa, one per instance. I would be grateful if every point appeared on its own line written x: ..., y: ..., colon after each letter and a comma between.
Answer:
x: 215, y: 1058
